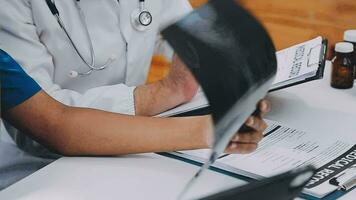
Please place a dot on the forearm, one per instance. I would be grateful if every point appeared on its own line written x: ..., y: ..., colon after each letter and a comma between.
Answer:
x: 100, y: 133
x: 77, y: 131
x: 158, y: 97
x: 178, y: 87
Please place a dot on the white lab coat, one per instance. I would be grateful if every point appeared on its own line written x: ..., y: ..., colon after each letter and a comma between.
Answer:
x: 30, y: 33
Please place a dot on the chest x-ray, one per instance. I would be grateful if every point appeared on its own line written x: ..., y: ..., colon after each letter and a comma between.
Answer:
x: 232, y: 57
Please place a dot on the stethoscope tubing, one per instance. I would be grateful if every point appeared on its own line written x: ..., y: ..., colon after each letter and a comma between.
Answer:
x: 92, y: 66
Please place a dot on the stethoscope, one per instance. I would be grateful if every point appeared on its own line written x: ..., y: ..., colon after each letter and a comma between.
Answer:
x: 141, y: 18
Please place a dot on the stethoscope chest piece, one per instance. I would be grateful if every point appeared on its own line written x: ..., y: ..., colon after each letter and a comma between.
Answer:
x: 141, y: 18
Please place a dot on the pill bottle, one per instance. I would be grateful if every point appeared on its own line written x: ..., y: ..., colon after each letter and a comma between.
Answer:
x: 343, y: 69
x: 350, y: 36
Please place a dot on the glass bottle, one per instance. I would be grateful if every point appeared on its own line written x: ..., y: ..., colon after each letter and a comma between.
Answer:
x: 343, y: 68
x: 350, y: 36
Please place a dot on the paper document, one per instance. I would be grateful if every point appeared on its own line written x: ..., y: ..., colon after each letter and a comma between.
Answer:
x: 283, y: 149
x: 298, y: 62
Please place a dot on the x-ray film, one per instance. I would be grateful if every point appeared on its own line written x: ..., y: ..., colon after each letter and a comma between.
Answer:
x: 233, y: 58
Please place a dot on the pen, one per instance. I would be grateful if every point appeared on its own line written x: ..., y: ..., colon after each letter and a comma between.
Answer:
x: 349, y: 184
x: 345, y: 180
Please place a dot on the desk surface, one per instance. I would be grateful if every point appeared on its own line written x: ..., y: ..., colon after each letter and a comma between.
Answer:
x: 144, y: 176
x: 316, y: 107
x: 312, y: 106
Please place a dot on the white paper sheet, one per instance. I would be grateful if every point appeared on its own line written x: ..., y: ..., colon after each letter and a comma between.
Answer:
x: 285, y: 148
x: 298, y: 60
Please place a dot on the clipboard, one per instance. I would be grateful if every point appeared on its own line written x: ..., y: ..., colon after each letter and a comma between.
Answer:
x: 319, y: 73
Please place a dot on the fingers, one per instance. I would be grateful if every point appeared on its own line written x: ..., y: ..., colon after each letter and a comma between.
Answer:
x: 256, y: 123
x: 251, y: 137
x: 241, y: 148
x: 246, y: 141
x: 264, y: 106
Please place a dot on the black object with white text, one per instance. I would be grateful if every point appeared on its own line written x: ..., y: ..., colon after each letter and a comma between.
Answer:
x: 285, y: 186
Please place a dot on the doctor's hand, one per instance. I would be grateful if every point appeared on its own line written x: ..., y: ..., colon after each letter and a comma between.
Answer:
x: 248, y: 137
x: 178, y: 87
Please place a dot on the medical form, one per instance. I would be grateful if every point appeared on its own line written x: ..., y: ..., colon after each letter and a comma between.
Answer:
x: 284, y: 148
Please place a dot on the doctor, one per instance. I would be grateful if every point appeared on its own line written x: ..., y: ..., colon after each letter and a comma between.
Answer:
x: 92, y: 54
x: 101, y: 33
x: 79, y: 131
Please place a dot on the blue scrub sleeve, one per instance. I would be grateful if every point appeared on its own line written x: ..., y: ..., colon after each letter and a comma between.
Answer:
x: 16, y: 86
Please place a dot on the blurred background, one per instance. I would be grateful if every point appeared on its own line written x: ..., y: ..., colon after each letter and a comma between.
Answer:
x: 288, y: 22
